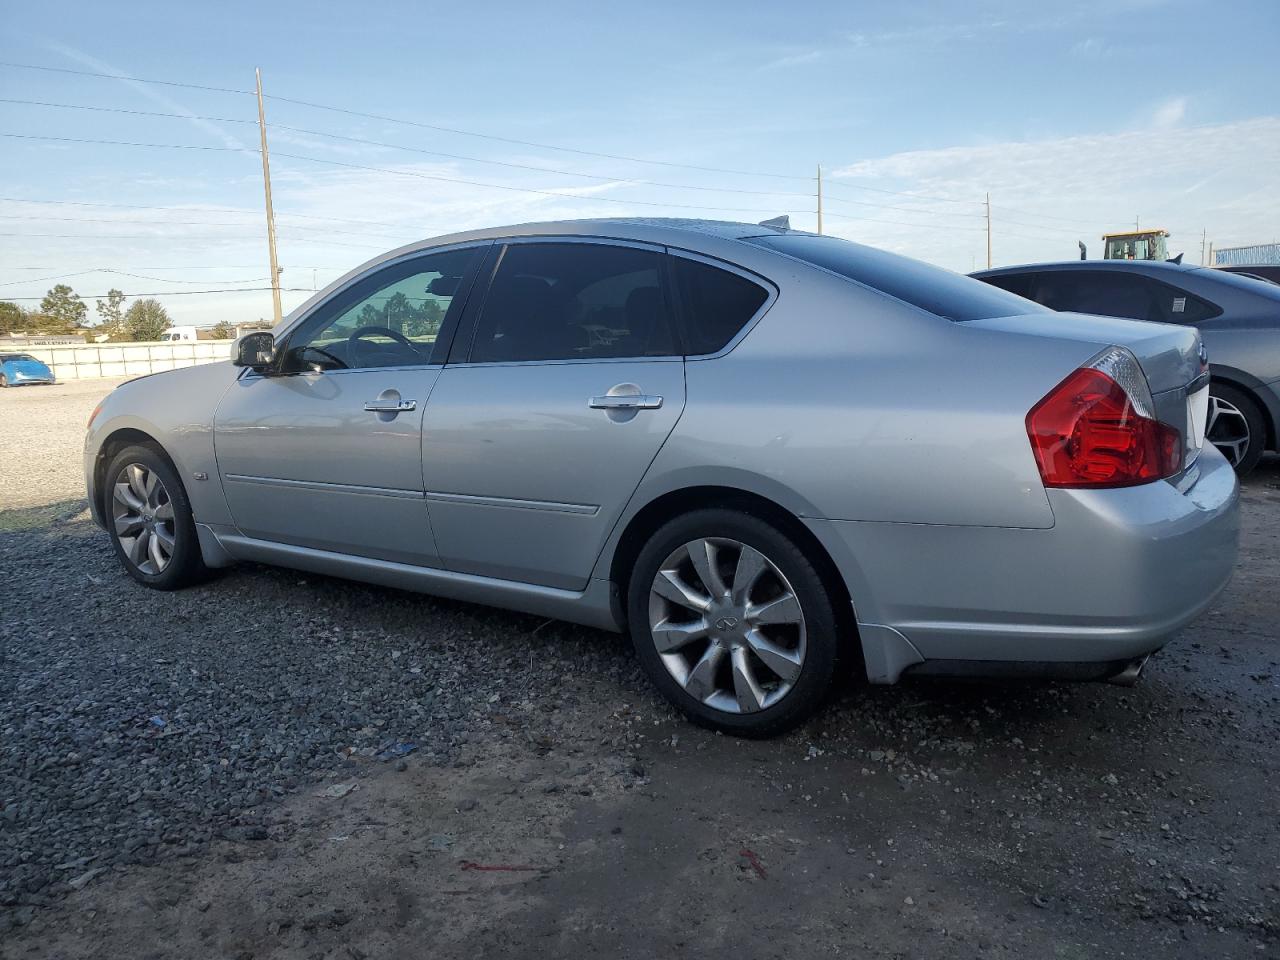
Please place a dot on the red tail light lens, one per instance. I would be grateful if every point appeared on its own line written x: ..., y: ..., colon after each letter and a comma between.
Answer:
x: 1087, y: 433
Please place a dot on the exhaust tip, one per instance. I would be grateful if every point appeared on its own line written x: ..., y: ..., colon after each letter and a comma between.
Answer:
x: 1130, y: 673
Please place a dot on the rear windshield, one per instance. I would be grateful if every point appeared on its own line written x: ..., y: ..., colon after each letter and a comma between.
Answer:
x: 949, y: 295
x: 17, y: 356
x: 1245, y: 282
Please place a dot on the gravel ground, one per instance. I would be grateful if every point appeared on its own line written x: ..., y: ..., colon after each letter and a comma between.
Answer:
x: 41, y: 439
x: 280, y: 765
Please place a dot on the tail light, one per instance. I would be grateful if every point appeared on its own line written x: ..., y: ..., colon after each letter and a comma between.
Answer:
x: 1097, y: 428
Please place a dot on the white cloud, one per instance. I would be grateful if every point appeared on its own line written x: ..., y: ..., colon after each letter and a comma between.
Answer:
x: 793, y: 60
x: 1091, y: 48
x: 1169, y: 113
x: 1045, y: 194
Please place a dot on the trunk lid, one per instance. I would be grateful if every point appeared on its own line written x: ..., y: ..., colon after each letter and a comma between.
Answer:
x: 1170, y: 355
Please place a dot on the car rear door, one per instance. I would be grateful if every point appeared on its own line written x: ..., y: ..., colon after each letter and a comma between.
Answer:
x: 324, y: 451
x: 562, y: 387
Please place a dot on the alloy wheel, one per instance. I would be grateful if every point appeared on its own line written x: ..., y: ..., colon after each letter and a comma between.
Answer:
x: 142, y: 514
x: 727, y: 625
x: 1227, y: 429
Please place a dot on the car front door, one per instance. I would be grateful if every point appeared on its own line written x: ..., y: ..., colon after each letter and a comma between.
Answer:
x: 568, y: 383
x: 324, y: 449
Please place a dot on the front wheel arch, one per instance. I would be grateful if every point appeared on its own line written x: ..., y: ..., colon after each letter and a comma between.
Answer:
x: 116, y: 441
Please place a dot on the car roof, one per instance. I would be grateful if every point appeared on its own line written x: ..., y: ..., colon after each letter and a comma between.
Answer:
x: 651, y: 229
x: 1149, y: 267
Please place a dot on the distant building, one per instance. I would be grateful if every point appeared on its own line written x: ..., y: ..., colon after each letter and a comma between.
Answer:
x: 1257, y: 254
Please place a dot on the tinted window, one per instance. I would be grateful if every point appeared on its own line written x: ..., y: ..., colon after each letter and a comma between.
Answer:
x: 1106, y: 294
x: 1019, y: 283
x: 574, y: 301
x: 715, y: 304
x: 388, y: 319
x: 1111, y: 294
x: 941, y: 292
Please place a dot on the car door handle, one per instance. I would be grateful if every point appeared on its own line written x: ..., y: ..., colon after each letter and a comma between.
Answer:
x: 638, y: 401
x: 390, y: 406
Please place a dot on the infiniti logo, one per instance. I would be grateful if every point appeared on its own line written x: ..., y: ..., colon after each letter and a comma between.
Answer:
x: 726, y: 623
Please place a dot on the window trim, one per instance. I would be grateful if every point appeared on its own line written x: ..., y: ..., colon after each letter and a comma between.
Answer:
x: 481, y: 297
x: 444, y: 337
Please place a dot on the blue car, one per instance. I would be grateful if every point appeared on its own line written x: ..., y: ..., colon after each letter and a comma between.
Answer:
x: 17, y: 369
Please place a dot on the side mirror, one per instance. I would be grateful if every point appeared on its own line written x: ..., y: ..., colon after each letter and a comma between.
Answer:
x: 254, y: 350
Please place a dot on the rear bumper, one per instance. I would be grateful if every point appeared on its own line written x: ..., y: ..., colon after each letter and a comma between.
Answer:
x: 1119, y: 571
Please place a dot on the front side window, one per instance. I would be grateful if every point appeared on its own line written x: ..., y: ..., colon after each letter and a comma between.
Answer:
x: 388, y: 319
x: 574, y: 301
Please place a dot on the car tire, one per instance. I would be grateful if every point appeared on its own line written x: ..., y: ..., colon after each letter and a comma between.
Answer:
x: 143, y: 500
x: 1237, y: 420
x: 4, y: 381
x: 756, y: 670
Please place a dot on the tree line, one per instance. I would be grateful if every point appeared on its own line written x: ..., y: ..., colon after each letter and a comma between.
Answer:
x: 63, y: 313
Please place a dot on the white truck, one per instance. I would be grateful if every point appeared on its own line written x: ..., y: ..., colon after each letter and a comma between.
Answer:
x: 174, y: 334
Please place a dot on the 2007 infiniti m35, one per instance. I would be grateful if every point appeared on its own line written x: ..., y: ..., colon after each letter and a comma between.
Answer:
x: 769, y: 455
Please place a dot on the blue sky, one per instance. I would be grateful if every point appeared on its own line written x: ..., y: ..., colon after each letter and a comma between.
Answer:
x: 1077, y: 117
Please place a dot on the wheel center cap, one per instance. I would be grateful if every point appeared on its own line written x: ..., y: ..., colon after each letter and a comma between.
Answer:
x: 148, y: 518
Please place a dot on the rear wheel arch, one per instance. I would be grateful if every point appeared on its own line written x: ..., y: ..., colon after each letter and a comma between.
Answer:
x: 661, y: 510
x: 1249, y: 387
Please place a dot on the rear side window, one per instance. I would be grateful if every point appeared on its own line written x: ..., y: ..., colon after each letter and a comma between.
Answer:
x: 715, y: 304
x: 1111, y: 294
x: 574, y: 301
x: 952, y: 296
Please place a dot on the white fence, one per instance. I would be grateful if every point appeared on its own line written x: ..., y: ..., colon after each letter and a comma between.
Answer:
x: 83, y: 362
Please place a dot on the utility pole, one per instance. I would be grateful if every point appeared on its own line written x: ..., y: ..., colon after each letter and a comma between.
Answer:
x: 271, y: 217
x: 988, y: 231
x: 819, y: 198
x: 1136, y: 228
x: 1204, y: 236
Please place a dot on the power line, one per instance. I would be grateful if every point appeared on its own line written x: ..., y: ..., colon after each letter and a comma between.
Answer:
x: 546, y: 193
x: 884, y: 206
x: 539, y: 146
x: 193, y: 223
x: 171, y: 239
x: 184, y: 293
x: 415, y: 123
x: 135, y: 113
x: 116, y: 76
x: 397, y: 146
x: 913, y: 196
x: 195, y: 266
x: 406, y: 173
x: 903, y: 223
x: 139, y: 206
x: 130, y: 143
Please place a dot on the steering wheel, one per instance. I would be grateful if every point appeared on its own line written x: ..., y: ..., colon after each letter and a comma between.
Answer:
x: 356, y: 335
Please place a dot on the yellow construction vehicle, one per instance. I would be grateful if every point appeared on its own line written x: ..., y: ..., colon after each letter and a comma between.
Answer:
x: 1135, y: 245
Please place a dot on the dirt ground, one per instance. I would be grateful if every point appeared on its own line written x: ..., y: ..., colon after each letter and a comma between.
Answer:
x: 581, y: 817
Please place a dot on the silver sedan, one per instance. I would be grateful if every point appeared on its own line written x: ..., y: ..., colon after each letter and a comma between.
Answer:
x: 770, y: 456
